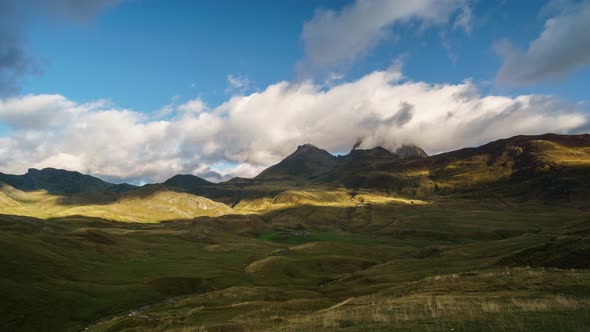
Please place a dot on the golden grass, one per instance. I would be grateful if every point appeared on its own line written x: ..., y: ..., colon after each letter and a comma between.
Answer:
x: 327, y: 198
x: 159, y: 207
x: 392, y: 312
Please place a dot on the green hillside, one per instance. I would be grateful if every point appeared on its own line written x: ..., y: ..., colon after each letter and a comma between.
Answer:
x: 492, y: 238
x: 523, y: 167
x: 151, y: 203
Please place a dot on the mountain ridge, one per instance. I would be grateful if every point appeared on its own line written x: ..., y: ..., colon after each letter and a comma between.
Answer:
x: 60, y: 181
x: 516, y: 159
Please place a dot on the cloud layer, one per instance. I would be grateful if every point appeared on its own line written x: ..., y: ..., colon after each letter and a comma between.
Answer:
x: 249, y: 132
x: 339, y: 37
x: 563, y: 46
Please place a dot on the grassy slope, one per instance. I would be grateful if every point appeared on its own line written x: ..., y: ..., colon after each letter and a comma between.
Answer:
x: 387, y: 252
x: 147, y: 204
x: 391, y: 262
x: 443, y: 266
x: 545, y: 167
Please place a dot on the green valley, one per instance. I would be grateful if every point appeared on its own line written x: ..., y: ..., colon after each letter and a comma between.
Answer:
x: 493, y: 238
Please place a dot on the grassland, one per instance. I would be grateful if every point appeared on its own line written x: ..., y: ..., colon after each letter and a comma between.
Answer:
x: 494, y: 238
x: 450, y: 264
x: 149, y: 204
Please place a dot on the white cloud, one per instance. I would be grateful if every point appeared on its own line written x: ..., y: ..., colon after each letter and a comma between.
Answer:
x: 340, y: 37
x: 256, y: 130
x: 193, y: 106
x: 237, y: 83
x: 562, y: 47
x: 196, y: 105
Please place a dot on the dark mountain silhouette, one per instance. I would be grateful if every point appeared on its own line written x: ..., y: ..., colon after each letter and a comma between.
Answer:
x: 186, y: 181
x: 306, y: 162
x: 58, y: 181
x: 546, y: 166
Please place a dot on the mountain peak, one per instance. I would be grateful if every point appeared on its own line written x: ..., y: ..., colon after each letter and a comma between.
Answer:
x: 61, y: 182
x: 186, y: 181
x: 307, y: 146
x: 308, y: 160
x: 310, y: 151
x: 410, y: 151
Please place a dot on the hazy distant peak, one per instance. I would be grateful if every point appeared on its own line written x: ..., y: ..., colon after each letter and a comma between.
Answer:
x: 308, y: 160
x: 60, y: 181
x: 186, y: 178
x: 310, y: 151
x: 307, y: 146
x: 410, y: 151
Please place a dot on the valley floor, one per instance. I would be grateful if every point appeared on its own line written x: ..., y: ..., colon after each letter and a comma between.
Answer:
x: 444, y: 265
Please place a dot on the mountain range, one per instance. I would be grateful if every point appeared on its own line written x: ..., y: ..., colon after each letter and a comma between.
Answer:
x: 548, y: 165
x: 487, y: 238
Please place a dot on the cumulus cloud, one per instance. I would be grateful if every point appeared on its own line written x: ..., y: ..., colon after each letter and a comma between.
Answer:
x: 193, y: 106
x: 14, y: 60
x: 562, y: 47
x: 247, y: 133
x: 340, y: 37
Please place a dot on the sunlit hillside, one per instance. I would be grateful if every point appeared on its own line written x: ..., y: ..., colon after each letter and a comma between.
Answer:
x: 463, y: 241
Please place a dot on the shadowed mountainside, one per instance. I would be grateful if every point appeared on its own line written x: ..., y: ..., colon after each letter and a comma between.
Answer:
x: 546, y: 166
x: 57, y: 181
x: 410, y: 151
x: 306, y: 162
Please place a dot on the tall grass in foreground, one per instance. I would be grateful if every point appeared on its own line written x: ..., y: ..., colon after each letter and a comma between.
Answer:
x: 450, y: 313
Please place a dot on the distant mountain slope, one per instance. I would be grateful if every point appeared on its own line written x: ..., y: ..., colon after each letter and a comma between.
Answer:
x: 226, y: 193
x: 410, y: 151
x: 159, y: 199
x: 12, y: 192
x: 544, y: 164
x: 58, y: 181
x: 186, y: 181
x: 7, y: 194
x: 149, y: 203
x: 376, y: 153
x: 306, y: 162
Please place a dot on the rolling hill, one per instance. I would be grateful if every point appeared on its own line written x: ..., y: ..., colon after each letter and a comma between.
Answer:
x: 544, y: 167
x: 488, y: 238
x: 150, y: 203
x: 526, y: 167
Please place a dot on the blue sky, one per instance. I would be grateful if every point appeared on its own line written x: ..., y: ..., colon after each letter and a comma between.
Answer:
x: 142, y: 53
x: 139, y: 90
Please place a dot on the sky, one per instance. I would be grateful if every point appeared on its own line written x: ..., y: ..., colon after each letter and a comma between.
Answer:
x: 139, y: 90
